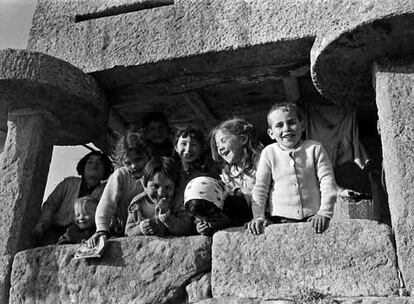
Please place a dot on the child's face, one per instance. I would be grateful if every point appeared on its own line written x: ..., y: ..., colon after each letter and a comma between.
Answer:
x: 188, y: 149
x: 161, y: 186
x: 285, y: 128
x: 135, y: 163
x: 230, y: 147
x: 85, y: 215
x: 94, y: 167
x: 157, y: 132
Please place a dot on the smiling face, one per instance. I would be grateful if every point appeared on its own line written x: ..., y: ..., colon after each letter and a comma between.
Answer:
x: 285, y: 127
x: 85, y: 215
x: 157, y: 132
x: 135, y: 163
x: 160, y: 186
x: 230, y: 147
x: 188, y: 149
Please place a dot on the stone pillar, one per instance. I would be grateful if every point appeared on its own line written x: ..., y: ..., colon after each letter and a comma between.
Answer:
x: 394, y: 83
x: 24, y: 166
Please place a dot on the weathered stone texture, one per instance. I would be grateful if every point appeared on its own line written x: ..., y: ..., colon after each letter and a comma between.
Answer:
x: 367, y: 300
x: 343, y: 261
x: 345, y: 48
x: 133, y: 270
x: 31, y: 80
x: 200, y: 288
x: 394, y: 81
x: 347, y: 208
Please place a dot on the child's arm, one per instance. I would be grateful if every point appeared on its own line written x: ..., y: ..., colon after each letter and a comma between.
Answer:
x: 177, y: 220
x: 327, y: 184
x: 136, y: 223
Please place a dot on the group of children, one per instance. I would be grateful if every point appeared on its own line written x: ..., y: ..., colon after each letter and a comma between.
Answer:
x: 176, y: 188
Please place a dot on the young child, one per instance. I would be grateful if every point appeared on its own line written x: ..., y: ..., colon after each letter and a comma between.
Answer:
x: 131, y: 156
x: 83, y: 225
x: 204, y: 199
x: 234, y: 144
x: 295, y: 176
x: 152, y: 212
x: 157, y: 134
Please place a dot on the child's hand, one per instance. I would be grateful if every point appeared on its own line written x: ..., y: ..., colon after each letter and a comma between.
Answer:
x: 319, y: 223
x: 147, y: 227
x: 256, y: 226
x: 204, y: 228
x: 39, y: 230
x: 93, y: 240
x: 163, y: 206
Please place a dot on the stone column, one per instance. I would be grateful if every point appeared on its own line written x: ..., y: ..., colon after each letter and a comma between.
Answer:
x: 24, y: 167
x: 394, y: 83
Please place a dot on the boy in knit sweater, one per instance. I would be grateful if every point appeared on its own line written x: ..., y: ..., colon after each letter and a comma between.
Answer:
x: 294, y: 178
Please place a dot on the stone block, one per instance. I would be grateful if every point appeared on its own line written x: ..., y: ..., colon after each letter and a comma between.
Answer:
x: 351, y: 259
x: 132, y: 270
x: 366, y: 300
x: 199, y: 288
x: 348, y: 208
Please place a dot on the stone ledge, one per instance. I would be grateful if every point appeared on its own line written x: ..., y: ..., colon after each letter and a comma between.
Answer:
x: 368, y: 300
x: 133, y: 270
x: 352, y: 259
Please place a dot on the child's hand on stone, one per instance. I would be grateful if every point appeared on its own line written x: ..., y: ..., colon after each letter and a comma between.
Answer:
x: 204, y: 228
x: 147, y: 227
x: 256, y: 226
x: 319, y: 223
x: 93, y: 240
x: 39, y: 230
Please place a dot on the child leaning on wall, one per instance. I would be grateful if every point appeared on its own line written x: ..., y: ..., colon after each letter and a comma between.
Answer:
x: 295, y: 176
x: 204, y: 199
x: 235, y: 146
x: 153, y: 212
x: 131, y: 156
x: 83, y: 225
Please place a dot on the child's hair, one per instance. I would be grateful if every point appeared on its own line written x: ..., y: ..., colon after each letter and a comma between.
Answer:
x: 163, y: 165
x: 85, y: 200
x: 191, y: 132
x: 155, y: 116
x: 286, y: 107
x: 238, y: 127
x: 133, y: 140
x: 107, y: 164
x: 201, y: 207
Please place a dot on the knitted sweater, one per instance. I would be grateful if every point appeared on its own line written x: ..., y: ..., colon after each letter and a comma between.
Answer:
x: 298, y: 183
x: 112, y: 209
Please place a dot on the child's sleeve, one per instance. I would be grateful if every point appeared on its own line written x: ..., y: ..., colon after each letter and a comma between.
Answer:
x: 53, y: 203
x: 261, y: 187
x: 327, y: 182
x: 108, y: 204
x: 179, y: 221
x: 134, y: 220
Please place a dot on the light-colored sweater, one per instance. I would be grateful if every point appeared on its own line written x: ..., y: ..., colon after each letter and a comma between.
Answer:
x: 112, y: 210
x: 58, y: 208
x: 237, y: 180
x: 297, y: 183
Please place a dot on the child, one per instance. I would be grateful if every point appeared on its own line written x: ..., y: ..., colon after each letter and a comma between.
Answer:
x: 204, y: 199
x: 57, y: 211
x: 294, y: 175
x: 152, y: 212
x: 83, y: 225
x: 234, y: 144
x: 157, y: 131
x: 124, y: 184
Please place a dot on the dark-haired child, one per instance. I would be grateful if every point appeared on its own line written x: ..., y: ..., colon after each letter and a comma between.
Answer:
x: 204, y: 199
x: 83, y: 225
x: 157, y: 134
x: 153, y: 212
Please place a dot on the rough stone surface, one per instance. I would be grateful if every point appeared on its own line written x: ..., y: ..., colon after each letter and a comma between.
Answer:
x: 31, y: 80
x: 132, y: 270
x: 345, y: 48
x: 367, y: 300
x: 24, y: 166
x: 200, y: 288
x: 394, y: 82
x: 341, y: 262
x: 347, y: 208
